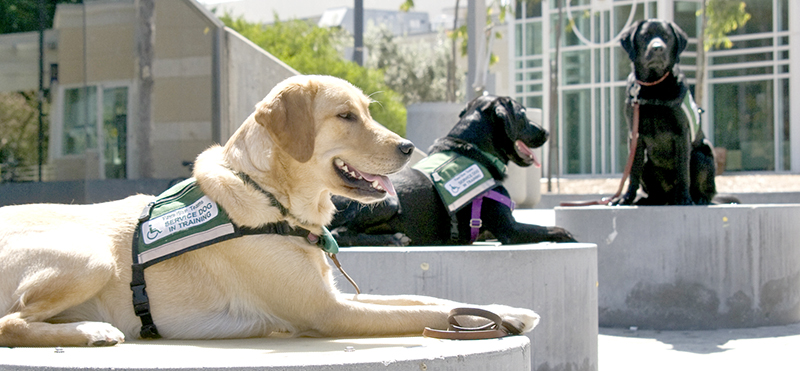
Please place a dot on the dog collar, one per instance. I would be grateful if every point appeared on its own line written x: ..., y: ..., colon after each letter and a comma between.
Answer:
x: 643, y: 83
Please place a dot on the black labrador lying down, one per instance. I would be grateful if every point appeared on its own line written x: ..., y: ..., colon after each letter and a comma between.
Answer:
x: 674, y: 162
x: 467, y: 164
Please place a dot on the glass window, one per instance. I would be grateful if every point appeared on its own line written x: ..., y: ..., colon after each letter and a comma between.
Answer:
x: 533, y: 102
x: 582, y: 25
x: 621, y: 145
x: 80, y: 120
x: 576, y: 67
x: 744, y: 124
x: 686, y: 18
x: 533, y: 38
x: 786, y: 132
x: 115, y: 128
x: 761, y: 17
x: 533, y: 8
x: 577, y: 131
x: 783, y: 15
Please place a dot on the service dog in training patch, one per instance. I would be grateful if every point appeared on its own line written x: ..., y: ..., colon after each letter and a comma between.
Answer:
x: 674, y: 162
x: 436, y: 198
x: 68, y: 273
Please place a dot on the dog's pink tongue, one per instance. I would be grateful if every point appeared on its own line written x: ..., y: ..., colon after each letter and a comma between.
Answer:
x: 382, y: 180
x: 528, y: 152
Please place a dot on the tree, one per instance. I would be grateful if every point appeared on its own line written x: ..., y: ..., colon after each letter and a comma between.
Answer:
x: 23, y: 15
x: 417, y: 71
x: 19, y: 121
x: 460, y: 33
x: 719, y: 18
x: 314, y: 50
x: 19, y: 128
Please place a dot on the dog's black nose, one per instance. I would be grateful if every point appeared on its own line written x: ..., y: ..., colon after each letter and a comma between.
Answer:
x: 406, y: 147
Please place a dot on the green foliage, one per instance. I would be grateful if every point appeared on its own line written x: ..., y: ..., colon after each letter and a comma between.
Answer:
x: 502, y: 9
x: 417, y: 71
x: 19, y: 128
x: 724, y: 17
x: 314, y: 50
x: 407, y: 5
x: 23, y: 15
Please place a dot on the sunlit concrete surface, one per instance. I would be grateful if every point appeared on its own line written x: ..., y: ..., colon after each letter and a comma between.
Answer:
x: 307, y: 354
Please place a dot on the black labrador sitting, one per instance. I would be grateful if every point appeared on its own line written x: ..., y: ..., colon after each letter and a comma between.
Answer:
x: 491, y: 131
x: 674, y: 162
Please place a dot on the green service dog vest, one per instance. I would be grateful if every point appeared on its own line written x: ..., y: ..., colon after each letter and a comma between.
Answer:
x: 458, y: 179
x: 183, y: 219
x: 692, y: 112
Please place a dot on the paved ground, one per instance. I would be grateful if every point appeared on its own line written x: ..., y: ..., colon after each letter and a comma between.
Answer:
x: 743, y: 183
x: 753, y: 349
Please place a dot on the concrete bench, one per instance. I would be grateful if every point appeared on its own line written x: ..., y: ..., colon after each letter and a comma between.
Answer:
x: 693, y: 267
x: 558, y: 281
x: 307, y: 354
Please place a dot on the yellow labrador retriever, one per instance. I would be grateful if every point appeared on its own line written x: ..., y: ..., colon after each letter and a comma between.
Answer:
x: 65, y: 270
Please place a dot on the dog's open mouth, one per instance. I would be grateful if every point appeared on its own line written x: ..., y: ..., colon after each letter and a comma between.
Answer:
x: 525, y: 152
x: 370, y: 183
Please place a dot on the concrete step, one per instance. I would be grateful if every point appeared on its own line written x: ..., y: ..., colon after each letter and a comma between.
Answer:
x: 307, y: 354
x: 693, y: 267
x: 558, y: 281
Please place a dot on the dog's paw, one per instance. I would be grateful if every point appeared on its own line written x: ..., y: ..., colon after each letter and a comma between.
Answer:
x: 100, y: 334
x: 400, y: 239
x: 558, y: 234
x: 520, y: 320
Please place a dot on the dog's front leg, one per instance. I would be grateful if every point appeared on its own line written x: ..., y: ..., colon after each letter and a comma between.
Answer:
x: 683, y: 151
x: 635, y: 176
x: 388, y: 316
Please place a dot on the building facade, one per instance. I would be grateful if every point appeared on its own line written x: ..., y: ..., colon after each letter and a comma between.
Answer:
x: 748, y: 104
x: 206, y: 80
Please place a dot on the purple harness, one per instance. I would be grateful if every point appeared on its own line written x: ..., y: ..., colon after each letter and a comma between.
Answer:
x: 475, y: 222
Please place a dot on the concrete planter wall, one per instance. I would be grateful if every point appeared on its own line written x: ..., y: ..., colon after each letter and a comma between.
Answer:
x: 693, y: 267
x: 558, y: 281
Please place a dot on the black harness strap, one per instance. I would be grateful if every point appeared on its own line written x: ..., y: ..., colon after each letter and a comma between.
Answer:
x: 141, y: 303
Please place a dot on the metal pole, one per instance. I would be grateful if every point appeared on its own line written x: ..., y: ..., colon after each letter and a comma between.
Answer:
x: 476, y: 22
x: 145, y: 43
x: 358, y: 31
x: 40, y: 142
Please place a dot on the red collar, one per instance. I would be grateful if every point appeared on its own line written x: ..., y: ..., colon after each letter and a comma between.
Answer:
x: 642, y: 83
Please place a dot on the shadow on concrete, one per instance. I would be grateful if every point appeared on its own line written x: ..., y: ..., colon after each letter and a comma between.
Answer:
x: 279, y: 344
x: 707, y: 341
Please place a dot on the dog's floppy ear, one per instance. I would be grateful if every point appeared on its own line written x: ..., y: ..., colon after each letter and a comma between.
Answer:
x: 680, y: 39
x: 503, y: 110
x: 289, y: 119
x: 628, y: 39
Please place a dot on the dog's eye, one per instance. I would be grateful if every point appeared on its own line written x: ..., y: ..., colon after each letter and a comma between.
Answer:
x: 349, y: 116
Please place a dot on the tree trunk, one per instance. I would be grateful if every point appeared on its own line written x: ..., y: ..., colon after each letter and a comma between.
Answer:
x: 145, y: 43
x: 700, y: 76
x: 451, y: 65
x: 553, y: 158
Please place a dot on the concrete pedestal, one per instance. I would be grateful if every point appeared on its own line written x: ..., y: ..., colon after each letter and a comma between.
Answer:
x: 558, y: 281
x: 693, y: 267
x: 399, y: 353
